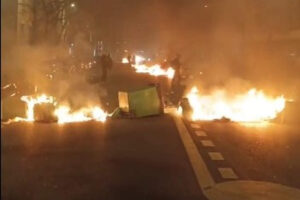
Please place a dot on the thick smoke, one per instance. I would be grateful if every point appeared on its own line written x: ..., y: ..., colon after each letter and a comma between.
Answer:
x: 255, y: 41
x: 252, y: 43
x: 28, y: 66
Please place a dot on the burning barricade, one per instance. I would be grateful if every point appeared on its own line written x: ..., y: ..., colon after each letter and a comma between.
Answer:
x: 44, y: 108
x: 140, y: 66
x: 252, y: 106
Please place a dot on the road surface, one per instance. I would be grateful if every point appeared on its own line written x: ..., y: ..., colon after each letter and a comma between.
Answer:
x: 162, y: 157
x: 121, y: 159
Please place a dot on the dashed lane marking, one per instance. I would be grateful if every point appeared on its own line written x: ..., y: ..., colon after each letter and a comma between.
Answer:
x: 229, y: 190
x: 203, y: 176
x: 207, y: 143
x: 195, y: 126
x: 215, y: 156
x: 227, y: 173
x: 200, y: 133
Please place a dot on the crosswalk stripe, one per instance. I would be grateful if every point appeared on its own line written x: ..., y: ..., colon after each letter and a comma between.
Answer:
x: 207, y: 143
x: 227, y: 173
x: 195, y: 126
x: 215, y: 156
x: 203, y: 175
x: 200, y: 133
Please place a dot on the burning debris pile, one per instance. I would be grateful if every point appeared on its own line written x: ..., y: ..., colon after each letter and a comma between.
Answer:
x: 46, y: 108
x: 153, y: 70
x: 253, y: 106
x: 65, y: 115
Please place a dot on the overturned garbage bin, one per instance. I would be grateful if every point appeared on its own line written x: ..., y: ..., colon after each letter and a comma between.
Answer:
x: 142, y: 103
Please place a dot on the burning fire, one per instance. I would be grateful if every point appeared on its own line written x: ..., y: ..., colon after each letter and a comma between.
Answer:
x: 253, y: 106
x: 62, y: 113
x: 125, y: 61
x: 85, y: 114
x: 31, y: 102
x: 154, y: 70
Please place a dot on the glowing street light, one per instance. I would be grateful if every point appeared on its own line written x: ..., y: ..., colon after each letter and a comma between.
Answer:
x: 73, y: 5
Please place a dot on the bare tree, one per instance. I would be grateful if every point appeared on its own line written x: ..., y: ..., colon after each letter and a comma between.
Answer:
x: 51, y: 19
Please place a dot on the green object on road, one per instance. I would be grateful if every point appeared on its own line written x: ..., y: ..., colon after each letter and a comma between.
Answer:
x: 142, y: 103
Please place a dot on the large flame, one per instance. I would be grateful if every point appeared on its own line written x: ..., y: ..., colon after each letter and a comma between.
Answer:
x: 65, y: 115
x: 154, y: 70
x: 253, y: 106
x: 32, y: 101
x: 62, y: 112
x: 125, y: 61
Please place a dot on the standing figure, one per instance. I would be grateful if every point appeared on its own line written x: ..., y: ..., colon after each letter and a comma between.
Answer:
x: 106, y: 64
x: 176, y: 64
x: 176, y: 88
x: 103, y: 61
x: 109, y: 62
x: 129, y: 59
x: 96, y: 68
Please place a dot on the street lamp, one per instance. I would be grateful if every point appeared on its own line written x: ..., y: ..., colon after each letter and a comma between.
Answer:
x: 72, y: 5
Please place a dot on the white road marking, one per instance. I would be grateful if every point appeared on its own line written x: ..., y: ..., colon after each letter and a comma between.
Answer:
x: 207, y: 143
x: 203, y: 176
x: 195, y: 126
x: 229, y: 190
x: 215, y: 156
x: 237, y: 190
x: 200, y: 133
x: 227, y: 173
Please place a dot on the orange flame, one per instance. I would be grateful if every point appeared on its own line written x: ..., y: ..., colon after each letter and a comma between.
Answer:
x: 31, y: 102
x: 125, y: 61
x: 154, y: 70
x: 253, y: 106
x: 85, y: 114
x: 63, y: 113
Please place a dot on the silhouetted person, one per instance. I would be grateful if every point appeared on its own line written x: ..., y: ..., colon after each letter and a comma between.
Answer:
x: 129, y: 59
x: 103, y: 61
x: 164, y: 64
x: 176, y: 64
x: 96, y: 69
x: 176, y: 87
x: 109, y: 62
x: 106, y: 64
x: 133, y: 59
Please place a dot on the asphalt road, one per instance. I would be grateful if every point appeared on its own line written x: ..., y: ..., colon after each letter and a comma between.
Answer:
x: 146, y: 158
x: 263, y: 153
x: 121, y: 159
x: 256, y: 152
